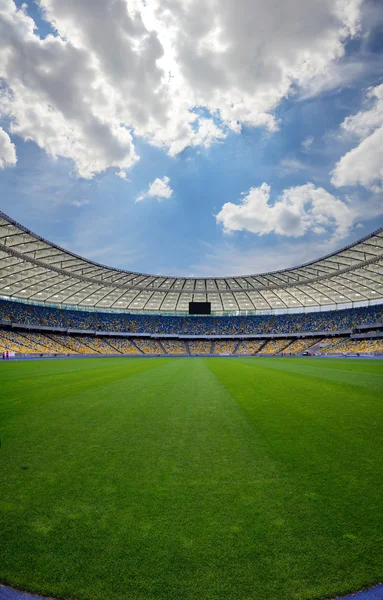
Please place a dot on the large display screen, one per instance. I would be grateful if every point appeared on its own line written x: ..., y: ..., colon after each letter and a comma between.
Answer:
x: 199, y: 308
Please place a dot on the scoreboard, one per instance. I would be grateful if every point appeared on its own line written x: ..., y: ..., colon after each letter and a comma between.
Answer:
x: 199, y: 308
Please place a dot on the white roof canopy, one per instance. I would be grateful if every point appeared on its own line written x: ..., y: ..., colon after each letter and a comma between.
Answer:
x: 36, y: 270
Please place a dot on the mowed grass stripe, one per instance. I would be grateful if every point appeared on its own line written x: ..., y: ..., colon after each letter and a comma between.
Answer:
x: 179, y: 478
x: 46, y: 381
x: 366, y: 373
x: 181, y: 458
x: 326, y: 437
x: 164, y: 488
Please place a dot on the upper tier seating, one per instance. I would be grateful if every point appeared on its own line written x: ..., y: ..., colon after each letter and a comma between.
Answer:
x: 26, y: 314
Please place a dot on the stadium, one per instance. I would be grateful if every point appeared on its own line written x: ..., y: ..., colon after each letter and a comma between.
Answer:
x: 55, y: 303
x: 224, y: 455
x: 191, y: 300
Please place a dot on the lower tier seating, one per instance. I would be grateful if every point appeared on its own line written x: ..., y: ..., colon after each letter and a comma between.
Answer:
x: 35, y: 343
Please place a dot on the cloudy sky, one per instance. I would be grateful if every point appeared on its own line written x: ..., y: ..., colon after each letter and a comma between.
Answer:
x: 193, y: 137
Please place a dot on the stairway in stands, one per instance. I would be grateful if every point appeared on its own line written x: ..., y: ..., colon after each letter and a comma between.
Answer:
x: 236, y: 347
x: 135, y: 345
x: 161, y: 346
x: 260, y: 348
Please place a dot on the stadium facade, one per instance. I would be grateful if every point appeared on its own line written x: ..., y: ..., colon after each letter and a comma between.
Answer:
x: 53, y: 302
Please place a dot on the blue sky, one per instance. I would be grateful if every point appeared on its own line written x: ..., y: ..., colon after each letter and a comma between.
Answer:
x: 303, y: 141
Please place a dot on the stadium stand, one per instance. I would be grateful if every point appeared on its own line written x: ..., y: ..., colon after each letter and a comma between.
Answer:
x: 200, y: 347
x: 301, y: 345
x: 28, y: 314
x: 174, y: 346
x: 100, y: 345
x: 249, y: 346
x: 37, y: 343
x: 30, y: 329
x: 148, y: 346
x: 12, y: 341
x: 123, y: 346
x: 348, y: 346
x: 74, y: 344
x: 366, y: 346
x: 46, y: 344
x: 275, y: 346
x: 224, y: 347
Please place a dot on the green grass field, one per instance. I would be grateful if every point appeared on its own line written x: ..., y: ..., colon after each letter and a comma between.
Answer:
x: 192, y: 479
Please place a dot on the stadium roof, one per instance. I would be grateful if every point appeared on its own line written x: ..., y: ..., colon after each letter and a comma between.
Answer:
x: 33, y: 269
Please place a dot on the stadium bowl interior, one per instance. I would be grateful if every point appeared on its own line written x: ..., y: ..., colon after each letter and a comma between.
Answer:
x: 256, y: 478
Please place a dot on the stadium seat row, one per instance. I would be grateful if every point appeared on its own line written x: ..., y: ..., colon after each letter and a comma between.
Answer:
x: 157, y: 324
x: 25, y: 342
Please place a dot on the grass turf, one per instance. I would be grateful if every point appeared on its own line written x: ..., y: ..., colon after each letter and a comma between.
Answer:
x: 162, y: 479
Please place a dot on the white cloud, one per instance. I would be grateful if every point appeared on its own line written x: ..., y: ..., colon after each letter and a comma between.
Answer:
x: 7, y: 150
x: 337, y: 76
x: 58, y: 97
x: 307, y: 143
x: 297, y: 211
x: 159, y: 188
x: 363, y: 165
x: 119, y: 68
x: 80, y: 203
x: 242, y: 58
x: 122, y: 175
x: 206, y: 134
x: 291, y: 165
x: 365, y: 122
